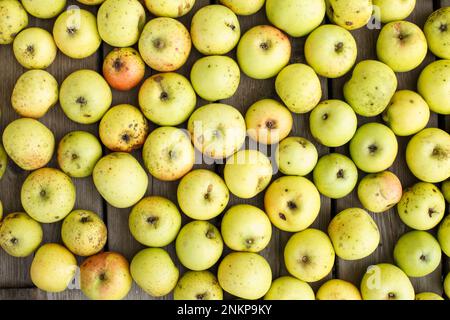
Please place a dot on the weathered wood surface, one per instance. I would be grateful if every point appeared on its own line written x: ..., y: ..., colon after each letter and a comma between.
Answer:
x: 15, y: 282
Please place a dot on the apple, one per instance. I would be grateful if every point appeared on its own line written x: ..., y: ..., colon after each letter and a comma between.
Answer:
x: 268, y: 121
x: 28, y: 143
x: 217, y: 130
x: 443, y: 235
x: 447, y: 285
x: 263, y: 51
x: 53, y: 268
x: 336, y: 289
x: 167, y: 99
x: 85, y: 96
x: 215, y: 77
x: 245, y: 275
x: 394, y: 10
x: 379, y: 192
x: 34, y: 48
x: 331, y: 51
x: 123, y: 68
x: 199, y: 245
x: 105, y: 276
x: 246, y: 228
x: 202, y: 194
x: 3, y: 161
x: 165, y: 44
x: 154, y: 271
x: 120, y: 179
x: 299, y: 87
x: 247, y: 173
x: 428, y: 155
x: 445, y: 186
x: 172, y: 9
x: 215, y: 30
x: 349, y: 14
x: 75, y: 33
x: 428, y: 296
x: 78, y: 152
x: 434, y: 86
x: 120, y: 23
x: 370, y: 88
x: 335, y: 175
x: 296, y: 156
x: 385, y: 281
x: 34, y: 93
x: 198, y: 285
x: 44, y: 9
x: 91, y: 2
x: 84, y: 233
x: 13, y: 18
x: 374, y: 147
x: 20, y: 235
x: 154, y: 221
x: 437, y: 32
x: 243, y: 8
x: 422, y: 206
x: 289, y: 288
x: 296, y: 17
x: 309, y: 255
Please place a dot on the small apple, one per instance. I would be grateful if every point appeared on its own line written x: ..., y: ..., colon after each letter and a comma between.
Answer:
x: 172, y: 9
x: 447, y: 285
x: 299, y: 87
x: 243, y: 8
x: 350, y: 14
x: 245, y: 275
x: 154, y: 221
x: 331, y: 51
x: 44, y: 9
x: 422, y: 206
x: 20, y: 235
x: 289, y: 288
x: 198, y: 285
x: 202, y: 194
x: 34, y: 93
x: 336, y: 289
x: 428, y: 296
x: 123, y: 68
x: 13, y: 18
x: 263, y: 51
x: 394, y: 10
x: 296, y: 156
x: 3, y: 161
x: 443, y: 235
x: 434, y: 87
x: 199, y: 245
x: 34, y: 48
x: 445, y: 186
x: 437, y: 32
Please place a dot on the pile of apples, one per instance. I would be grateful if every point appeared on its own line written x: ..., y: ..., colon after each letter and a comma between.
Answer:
x: 218, y: 131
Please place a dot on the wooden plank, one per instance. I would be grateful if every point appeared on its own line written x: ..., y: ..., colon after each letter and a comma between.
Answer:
x: 22, y: 294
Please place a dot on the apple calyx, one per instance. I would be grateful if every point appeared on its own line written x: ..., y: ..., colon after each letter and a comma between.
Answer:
x: 81, y: 101
x: 102, y: 276
x: 85, y: 220
x: 71, y: 30
x: 201, y: 296
x: 126, y: 138
x: 164, y: 96
x: 304, y: 260
x: 230, y: 25
x: 391, y: 295
x: 43, y: 193
x: 431, y: 211
x: 210, y: 234
x: 340, y: 174
x: 158, y: 43
x: 292, y: 205
x: 30, y: 49
x: 373, y: 148
x: 265, y: 45
x: 443, y: 27
x: 249, y: 242
x: 325, y: 116
x: 74, y: 156
x: 271, y: 124
x: 338, y: 48
x: 423, y: 257
x: 117, y: 64
x: 14, y: 240
x: 152, y: 220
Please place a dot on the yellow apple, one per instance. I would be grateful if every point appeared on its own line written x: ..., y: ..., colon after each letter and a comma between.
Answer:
x: 336, y: 289
x: 289, y: 288
x: 198, y: 285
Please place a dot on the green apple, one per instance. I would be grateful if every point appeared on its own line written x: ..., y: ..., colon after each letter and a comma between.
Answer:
x: 215, y: 30
x: 13, y: 18
x: 120, y: 179
x: 53, y: 268
x: 105, y: 276
x: 443, y: 235
x: 263, y: 51
x: 289, y: 288
x: 34, y: 48
x: 247, y: 173
x: 217, y: 130
x: 336, y: 289
x: 75, y: 33
x: 437, y: 32
x: 296, y: 17
x: 434, y: 86
x: 245, y: 275
x: 44, y: 9
x: 379, y: 192
x: 85, y: 96
x: 165, y: 44
x: 445, y: 186
x: 385, y: 281
x: 296, y: 156
x: 299, y: 87
x: 349, y: 14
x: 354, y: 234
x: 428, y: 296
x: 120, y: 23
x: 48, y: 195
x: 370, y: 88
x: 215, y: 78
x: 422, y: 206
x: 394, y: 10
x: 84, y: 233
x: 154, y: 221
x: 246, y: 228
x: 199, y: 245
x: 172, y: 9
x: 34, y: 93
x: 3, y: 161
x: 309, y: 255
x: 202, y: 194
x: 335, y: 175
x: 447, y: 285
x: 243, y: 8
x: 167, y: 99
x: 331, y: 51
x: 20, y: 235
x: 428, y: 155
x: 198, y: 285
x: 268, y: 121
x: 333, y: 123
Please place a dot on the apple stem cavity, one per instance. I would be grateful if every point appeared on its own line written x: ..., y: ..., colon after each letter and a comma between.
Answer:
x: 339, y: 47
x: 164, y: 96
x: 201, y: 296
x: 126, y: 138
x: 152, y: 220
x: 291, y: 205
x: 71, y: 30
x: 264, y: 46
x: 14, y: 241
x: 373, y: 148
x: 117, y: 64
x: 30, y: 49
x: 340, y: 174
x: 81, y: 101
x: 85, y: 220
x: 210, y: 234
x: 271, y: 124
x: 391, y: 295
x: 230, y: 25
x: 158, y: 43
x: 443, y: 27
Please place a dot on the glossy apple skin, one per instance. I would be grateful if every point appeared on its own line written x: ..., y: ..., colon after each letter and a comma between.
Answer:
x: 123, y: 68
